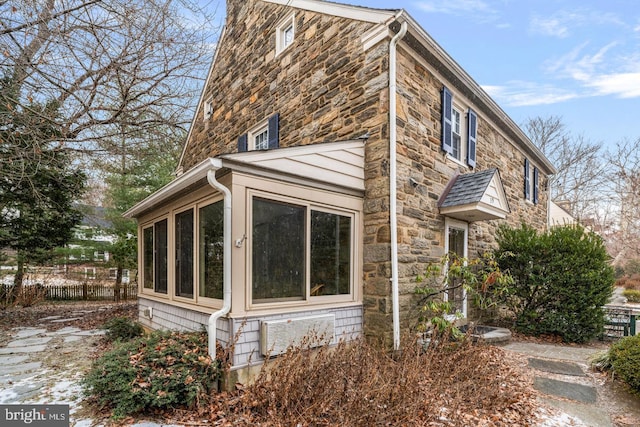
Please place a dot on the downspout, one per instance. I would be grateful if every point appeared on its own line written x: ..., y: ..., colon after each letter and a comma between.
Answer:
x: 216, y: 164
x: 393, y: 216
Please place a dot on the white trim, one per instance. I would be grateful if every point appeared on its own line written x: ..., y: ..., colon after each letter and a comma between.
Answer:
x: 281, y: 29
x: 460, y: 225
x: 358, y: 13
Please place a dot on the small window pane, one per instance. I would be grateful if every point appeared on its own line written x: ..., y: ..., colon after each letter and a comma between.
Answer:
x: 161, y: 255
x: 455, y: 293
x: 261, y: 140
x: 455, y: 123
x: 147, y: 257
x: 330, y: 254
x: 184, y: 254
x: 287, y: 36
x: 278, y: 251
x: 211, y: 250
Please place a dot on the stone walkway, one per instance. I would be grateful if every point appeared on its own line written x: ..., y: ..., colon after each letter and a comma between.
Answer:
x: 38, y: 366
x: 562, y: 376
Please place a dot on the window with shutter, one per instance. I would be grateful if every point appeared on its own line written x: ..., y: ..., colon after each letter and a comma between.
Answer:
x: 472, y: 138
x: 535, y: 185
x: 527, y: 184
x: 242, y: 143
x: 447, y: 130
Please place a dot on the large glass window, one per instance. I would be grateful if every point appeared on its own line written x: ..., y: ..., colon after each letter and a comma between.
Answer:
x: 147, y: 257
x: 161, y: 255
x: 330, y: 254
x: 278, y: 251
x: 211, y: 250
x: 299, y: 252
x: 184, y: 254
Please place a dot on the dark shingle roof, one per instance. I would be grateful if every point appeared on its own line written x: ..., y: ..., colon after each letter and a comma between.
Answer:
x: 468, y: 188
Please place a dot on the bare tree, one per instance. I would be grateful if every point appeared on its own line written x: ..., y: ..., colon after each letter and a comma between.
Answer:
x: 579, y: 163
x: 108, y: 65
x: 624, y: 196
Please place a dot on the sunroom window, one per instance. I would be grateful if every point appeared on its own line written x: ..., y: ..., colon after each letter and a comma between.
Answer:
x: 278, y: 259
x: 154, y: 254
x: 299, y: 252
x: 211, y: 250
x: 184, y: 254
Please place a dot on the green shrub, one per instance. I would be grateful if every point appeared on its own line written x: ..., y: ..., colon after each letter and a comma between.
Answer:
x: 122, y: 328
x: 625, y: 360
x: 562, y: 279
x: 631, y: 295
x: 160, y: 371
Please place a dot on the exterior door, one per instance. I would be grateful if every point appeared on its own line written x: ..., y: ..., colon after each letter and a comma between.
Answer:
x: 456, y: 238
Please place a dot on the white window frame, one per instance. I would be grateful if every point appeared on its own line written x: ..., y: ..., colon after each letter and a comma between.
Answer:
x: 459, y: 225
x: 309, y: 205
x: 259, y: 131
x: 286, y: 26
x: 208, y: 109
x: 459, y: 135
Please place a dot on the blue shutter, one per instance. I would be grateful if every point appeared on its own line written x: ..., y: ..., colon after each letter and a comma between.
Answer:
x: 274, y: 124
x: 242, y: 143
x: 527, y: 187
x: 472, y: 137
x: 535, y: 185
x: 447, y: 130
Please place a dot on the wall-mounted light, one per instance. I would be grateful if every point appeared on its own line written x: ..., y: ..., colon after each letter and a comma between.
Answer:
x: 413, y: 182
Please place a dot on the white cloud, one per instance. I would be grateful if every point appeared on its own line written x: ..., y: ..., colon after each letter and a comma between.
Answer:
x: 521, y: 94
x: 561, y: 23
x: 622, y: 85
x: 549, y: 27
x: 453, y: 6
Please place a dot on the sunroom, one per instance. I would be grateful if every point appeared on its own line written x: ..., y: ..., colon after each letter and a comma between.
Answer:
x: 266, y: 246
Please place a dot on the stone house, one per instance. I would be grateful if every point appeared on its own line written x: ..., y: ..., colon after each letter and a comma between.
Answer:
x: 291, y: 211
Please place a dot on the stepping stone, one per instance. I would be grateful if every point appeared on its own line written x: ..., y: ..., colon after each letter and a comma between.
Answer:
x: 50, y: 318
x: 28, y: 332
x: 12, y: 369
x: 90, y: 333
x: 29, y: 341
x: 573, y: 391
x: 12, y: 360
x: 25, y: 349
x: 71, y: 319
x: 66, y: 331
x: 557, y: 367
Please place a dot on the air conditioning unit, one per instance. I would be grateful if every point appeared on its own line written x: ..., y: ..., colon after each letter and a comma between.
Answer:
x: 277, y: 335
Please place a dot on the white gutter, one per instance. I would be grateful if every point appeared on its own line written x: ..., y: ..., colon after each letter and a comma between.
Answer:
x: 393, y: 215
x: 226, y: 276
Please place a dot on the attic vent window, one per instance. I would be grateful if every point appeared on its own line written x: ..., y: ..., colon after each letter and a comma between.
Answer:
x: 285, y: 34
x: 208, y: 109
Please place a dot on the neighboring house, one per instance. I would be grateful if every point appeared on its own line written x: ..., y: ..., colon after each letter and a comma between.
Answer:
x: 328, y: 224
x: 559, y: 214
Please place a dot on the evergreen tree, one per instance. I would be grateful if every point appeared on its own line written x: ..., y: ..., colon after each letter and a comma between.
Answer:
x: 38, y: 181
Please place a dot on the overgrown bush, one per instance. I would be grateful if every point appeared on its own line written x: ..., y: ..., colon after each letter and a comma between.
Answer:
x: 481, y: 279
x: 562, y: 279
x: 360, y: 384
x: 631, y: 295
x: 160, y: 371
x: 122, y: 328
x: 624, y: 357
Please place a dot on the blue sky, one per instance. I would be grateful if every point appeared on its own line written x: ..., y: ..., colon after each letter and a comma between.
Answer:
x: 577, y: 59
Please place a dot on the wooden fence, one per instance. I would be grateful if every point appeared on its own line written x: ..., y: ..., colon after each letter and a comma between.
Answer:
x: 78, y: 292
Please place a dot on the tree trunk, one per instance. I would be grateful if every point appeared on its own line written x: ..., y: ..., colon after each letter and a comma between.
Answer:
x: 116, y: 287
x: 19, y: 277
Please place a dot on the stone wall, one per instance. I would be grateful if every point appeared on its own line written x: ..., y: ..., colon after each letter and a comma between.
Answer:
x: 327, y: 88
x: 324, y: 86
x: 420, y: 226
